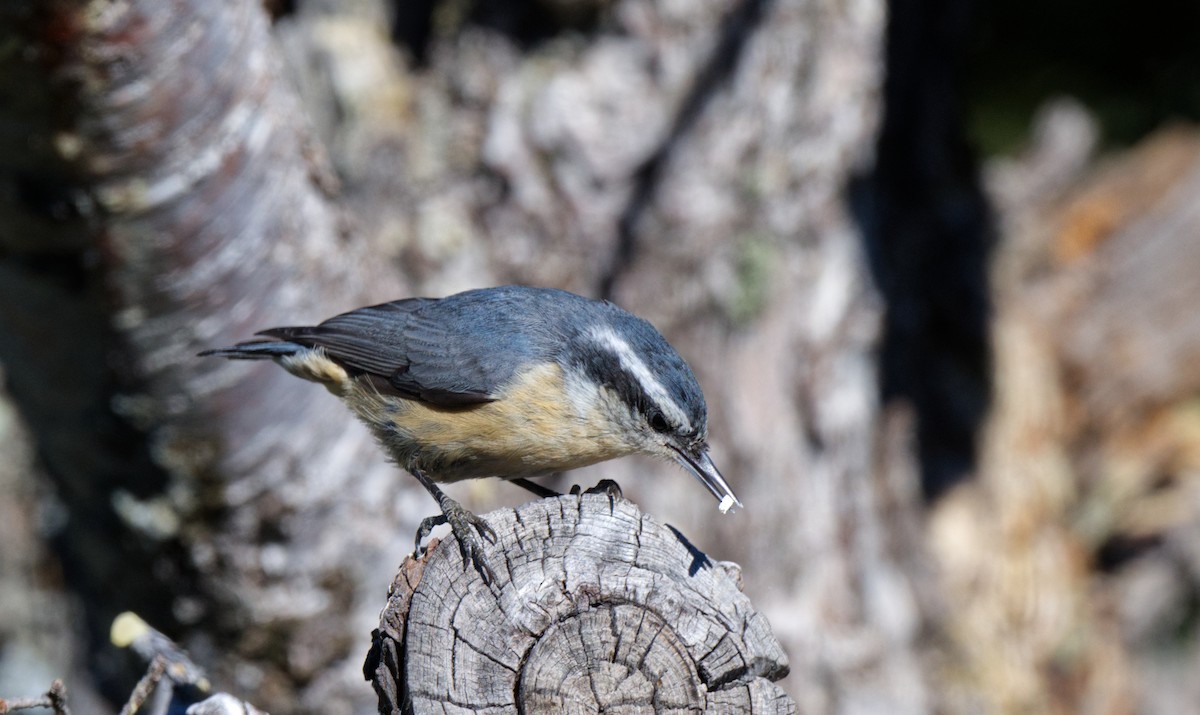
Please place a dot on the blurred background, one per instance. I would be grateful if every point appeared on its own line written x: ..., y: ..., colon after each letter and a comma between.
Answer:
x: 934, y: 263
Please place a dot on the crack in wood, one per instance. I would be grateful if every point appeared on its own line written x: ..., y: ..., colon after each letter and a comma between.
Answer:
x: 650, y: 633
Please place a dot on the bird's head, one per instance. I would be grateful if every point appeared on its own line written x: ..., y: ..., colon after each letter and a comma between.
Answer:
x: 648, y: 395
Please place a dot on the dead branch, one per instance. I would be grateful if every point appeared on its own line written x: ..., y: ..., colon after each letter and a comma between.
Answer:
x: 54, y: 699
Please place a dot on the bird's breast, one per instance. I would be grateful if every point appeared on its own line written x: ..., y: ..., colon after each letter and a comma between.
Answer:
x: 533, y: 427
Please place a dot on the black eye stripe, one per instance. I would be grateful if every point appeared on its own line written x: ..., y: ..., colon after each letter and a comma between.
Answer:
x: 606, y: 369
x: 603, y: 364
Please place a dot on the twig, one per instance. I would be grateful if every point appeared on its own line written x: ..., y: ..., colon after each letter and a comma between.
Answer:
x: 178, y: 681
x: 130, y: 631
x: 146, y: 685
x: 55, y: 699
x: 170, y: 671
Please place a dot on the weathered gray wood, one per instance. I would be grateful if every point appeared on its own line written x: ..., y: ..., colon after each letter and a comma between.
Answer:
x: 597, y: 607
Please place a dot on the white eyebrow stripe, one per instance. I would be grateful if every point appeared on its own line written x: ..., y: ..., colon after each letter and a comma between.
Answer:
x: 634, y: 365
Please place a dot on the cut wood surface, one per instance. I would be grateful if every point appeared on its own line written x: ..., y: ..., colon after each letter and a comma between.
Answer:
x: 596, y: 607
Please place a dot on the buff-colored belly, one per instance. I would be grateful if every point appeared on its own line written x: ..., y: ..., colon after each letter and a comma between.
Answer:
x: 529, y: 430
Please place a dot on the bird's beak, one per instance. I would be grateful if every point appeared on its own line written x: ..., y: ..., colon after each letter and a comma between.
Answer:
x: 701, y: 465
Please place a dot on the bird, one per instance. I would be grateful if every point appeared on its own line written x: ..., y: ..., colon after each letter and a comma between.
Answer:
x: 513, y: 382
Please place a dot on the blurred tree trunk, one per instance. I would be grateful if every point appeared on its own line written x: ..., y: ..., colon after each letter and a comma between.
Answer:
x: 161, y: 195
x: 1086, y: 499
x: 687, y: 160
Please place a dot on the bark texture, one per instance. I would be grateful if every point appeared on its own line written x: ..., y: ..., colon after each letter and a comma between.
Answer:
x: 596, y: 608
x: 162, y: 195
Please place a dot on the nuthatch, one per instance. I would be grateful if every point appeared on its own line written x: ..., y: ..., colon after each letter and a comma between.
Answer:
x: 511, y: 382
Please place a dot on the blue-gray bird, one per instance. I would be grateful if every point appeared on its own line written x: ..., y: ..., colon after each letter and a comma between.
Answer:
x: 511, y: 382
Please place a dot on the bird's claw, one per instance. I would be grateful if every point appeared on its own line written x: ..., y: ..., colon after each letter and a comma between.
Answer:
x: 604, y: 486
x: 485, y: 530
x: 427, y: 525
x: 463, y: 524
x: 472, y: 555
x: 609, y: 487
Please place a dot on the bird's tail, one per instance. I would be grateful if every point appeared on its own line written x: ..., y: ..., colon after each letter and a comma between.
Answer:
x: 255, y: 350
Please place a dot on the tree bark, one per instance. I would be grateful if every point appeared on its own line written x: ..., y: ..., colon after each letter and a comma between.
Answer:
x: 596, y: 607
x: 163, y: 195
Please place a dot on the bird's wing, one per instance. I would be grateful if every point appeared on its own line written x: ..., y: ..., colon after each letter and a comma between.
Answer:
x: 428, y: 350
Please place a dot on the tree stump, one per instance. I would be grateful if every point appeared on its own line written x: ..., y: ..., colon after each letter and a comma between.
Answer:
x: 596, y: 607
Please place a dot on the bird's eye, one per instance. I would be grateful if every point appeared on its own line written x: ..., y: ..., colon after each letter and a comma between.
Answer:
x: 658, y: 423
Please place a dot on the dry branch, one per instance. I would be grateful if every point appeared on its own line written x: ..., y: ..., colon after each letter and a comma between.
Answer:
x: 172, y: 681
x: 596, y: 606
x: 55, y: 699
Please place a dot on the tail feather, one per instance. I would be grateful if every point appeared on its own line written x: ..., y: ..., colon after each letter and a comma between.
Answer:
x: 255, y: 350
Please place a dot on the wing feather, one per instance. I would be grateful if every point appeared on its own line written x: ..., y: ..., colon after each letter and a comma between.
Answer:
x: 432, y: 350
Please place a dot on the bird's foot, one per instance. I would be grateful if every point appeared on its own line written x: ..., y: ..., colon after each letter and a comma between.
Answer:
x: 464, y: 525
x: 604, y: 486
x: 428, y: 524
